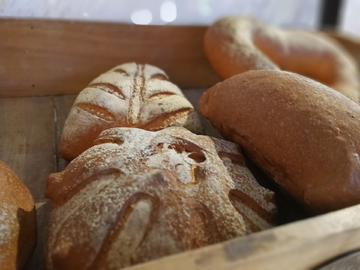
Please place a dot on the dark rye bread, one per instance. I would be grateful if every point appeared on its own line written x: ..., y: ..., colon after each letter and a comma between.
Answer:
x: 302, y: 133
x: 139, y: 195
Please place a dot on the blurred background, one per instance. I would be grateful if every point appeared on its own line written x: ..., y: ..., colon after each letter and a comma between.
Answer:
x: 312, y: 14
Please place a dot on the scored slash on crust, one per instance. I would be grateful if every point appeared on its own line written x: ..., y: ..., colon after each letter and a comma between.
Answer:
x: 138, y: 191
x: 109, y: 88
x: 131, y: 95
x: 97, y: 110
x: 121, y: 71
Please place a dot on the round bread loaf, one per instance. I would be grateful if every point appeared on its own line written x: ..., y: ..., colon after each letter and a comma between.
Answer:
x: 17, y: 221
x: 129, y: 95
x: 237, y: 44
x: 140, y: 195
x: 304, y: 134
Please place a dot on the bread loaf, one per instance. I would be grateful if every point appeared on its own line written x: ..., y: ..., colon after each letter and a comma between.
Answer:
x: 304, y: 134
x: 236, y: 44
x: 139, y: 195
x: 129, y: 95
x: 17, y: 221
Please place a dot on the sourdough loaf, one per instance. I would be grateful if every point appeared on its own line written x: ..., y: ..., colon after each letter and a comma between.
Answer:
x: 129, y: 95
x: 139, y: 195
x: 17, y: 221
x: 304, y: 134
x: 236, y: 44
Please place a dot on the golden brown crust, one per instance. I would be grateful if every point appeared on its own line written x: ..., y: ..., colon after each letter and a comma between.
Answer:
x: 304, y: 134
x: 237, y: 44
x: 139, y: 195
x: 17, y: 221
x: 129, y: 95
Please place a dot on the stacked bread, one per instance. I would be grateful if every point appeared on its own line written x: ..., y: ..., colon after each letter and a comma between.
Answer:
x: 304, y: 134
x: 141, y: 185
x: 129, y: 95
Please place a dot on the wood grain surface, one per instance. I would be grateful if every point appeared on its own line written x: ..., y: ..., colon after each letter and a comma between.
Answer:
x: 52, y: 57
x: 27, y: 145
x: 350, y: 261
x: 300, y: 245
x: 62, y: 106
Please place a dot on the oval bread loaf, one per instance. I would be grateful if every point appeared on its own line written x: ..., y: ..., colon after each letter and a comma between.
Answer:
x: 129, y: 95
x: 140, y: 195
x: 236, y: 44
x: 304, y: 134
x: 17, y: 221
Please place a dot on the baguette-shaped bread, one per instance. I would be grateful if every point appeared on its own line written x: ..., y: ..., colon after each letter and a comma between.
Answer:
x: 17, y: 221
x: 237, y: 44
x: 140, y: 195
x: 304, y: 134
x: 129, y: 95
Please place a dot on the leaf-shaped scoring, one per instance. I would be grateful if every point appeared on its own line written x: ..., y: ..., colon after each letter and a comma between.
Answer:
x: 109, y: 88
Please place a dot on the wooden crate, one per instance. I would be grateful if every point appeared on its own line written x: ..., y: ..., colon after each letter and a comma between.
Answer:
x: 45, y: 63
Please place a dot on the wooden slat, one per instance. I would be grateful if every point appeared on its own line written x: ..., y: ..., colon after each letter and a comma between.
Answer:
x: 347, y: 262
x: 27, y: 145
x: 49, y: 57
x: 300, y: 245
x: 62, y: 105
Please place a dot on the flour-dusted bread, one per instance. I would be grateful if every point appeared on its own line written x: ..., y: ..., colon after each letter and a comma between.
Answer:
x: 129, y: 95
x: 139, y: 195
x: 237, y: 44
x: 304, y: 134
x: 17, y: 221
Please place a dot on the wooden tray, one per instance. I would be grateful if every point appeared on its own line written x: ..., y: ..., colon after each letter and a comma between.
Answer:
x: 44, y: 63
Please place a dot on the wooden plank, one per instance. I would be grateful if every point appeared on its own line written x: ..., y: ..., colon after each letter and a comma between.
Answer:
x: 62, y: 106
x: 27, y: 145
x: 51, y: 57
x: 347, y: 262
x: 300, y: 245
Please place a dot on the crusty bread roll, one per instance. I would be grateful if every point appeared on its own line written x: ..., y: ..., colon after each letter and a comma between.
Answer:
x: 236, y: 44
x: 129, y: 95
x: 17, y: 221
x: 304, y: 134
x: 140, y: 195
